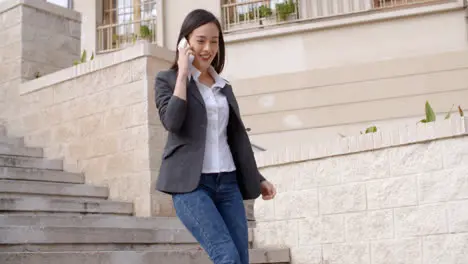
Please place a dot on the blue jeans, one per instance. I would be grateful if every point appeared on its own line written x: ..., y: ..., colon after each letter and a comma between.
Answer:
x: 215, y: 215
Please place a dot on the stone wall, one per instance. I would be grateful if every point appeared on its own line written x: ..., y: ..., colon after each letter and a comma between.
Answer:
x: 386, y: 198
x: 100, y: 118
x: 37, y: 38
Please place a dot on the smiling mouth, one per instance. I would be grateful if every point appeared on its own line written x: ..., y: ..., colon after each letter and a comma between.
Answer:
x: 205, y: 58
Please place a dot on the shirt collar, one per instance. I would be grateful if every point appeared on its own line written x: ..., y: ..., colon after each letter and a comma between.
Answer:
x: 219, y: 82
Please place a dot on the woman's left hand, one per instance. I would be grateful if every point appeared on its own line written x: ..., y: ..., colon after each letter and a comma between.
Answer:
x: 268, y: 190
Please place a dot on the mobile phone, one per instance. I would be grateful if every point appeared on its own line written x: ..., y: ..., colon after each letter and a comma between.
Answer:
x: 183, y: 44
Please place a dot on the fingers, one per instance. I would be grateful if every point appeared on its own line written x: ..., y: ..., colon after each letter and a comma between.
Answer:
x: 270, y: 192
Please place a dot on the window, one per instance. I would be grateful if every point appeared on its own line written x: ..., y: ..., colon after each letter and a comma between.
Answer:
x: 125, y: 22
x: 63, y: 3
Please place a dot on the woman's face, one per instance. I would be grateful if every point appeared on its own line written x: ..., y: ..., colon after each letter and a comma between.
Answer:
x: 205, y: 44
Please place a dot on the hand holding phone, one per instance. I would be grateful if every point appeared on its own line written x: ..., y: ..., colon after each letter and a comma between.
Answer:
x: 185, y: 56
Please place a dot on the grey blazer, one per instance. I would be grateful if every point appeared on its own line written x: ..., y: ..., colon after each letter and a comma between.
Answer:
x: 186, y: 122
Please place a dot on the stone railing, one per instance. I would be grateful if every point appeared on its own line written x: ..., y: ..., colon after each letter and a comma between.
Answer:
x: 388, y: 197
x: 37, y: 38
x: 258, y: 14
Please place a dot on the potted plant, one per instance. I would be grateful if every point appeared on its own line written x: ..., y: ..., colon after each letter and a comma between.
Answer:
x: 285, y: 10
x: 264, y: 12
x: 146, y: 34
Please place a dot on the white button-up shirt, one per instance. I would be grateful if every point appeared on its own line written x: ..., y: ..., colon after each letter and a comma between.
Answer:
x: 218, y: 156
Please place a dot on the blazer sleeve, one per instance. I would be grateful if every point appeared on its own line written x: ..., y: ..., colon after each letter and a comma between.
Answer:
x: 171, y: 108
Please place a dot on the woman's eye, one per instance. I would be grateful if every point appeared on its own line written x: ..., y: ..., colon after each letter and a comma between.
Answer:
x: 200, y: 41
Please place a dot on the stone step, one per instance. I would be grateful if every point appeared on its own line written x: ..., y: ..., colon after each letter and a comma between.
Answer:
x: 39, y: 234
x: 30, y: 162
x: 3, y: 131
x: 95, y: 221
x: 52, y: 189
x: 12, y: 141
x: 13, y: 205
x: 257, y: 256
x: 59, y: 239
x: 14, y: 235
x: 25, y: 174
x: 14, y: 150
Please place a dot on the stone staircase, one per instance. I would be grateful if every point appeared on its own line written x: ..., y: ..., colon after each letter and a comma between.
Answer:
x: 48, y: 216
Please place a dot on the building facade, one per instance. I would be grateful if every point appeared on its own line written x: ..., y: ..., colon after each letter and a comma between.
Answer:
x: 276, y: 47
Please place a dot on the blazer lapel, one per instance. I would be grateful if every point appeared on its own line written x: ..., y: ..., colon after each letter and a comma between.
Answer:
x: 193, y: 90
x: 227, y: 91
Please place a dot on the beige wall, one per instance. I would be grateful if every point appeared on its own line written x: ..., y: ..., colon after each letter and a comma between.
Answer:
x: 316, y: 105
x: 346, y: 41
x: 385, y: 198
x: 314, y: 44
x: 175, y: 12
x: 89, y: 10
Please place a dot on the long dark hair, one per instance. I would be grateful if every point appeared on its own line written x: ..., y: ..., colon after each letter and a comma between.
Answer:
x: 194, y: 20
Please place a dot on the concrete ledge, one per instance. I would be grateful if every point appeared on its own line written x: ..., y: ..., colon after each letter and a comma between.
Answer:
x: 13, y: 150
x: 13, y: 235
x: 257, y: 256
x: 54, y: 189
x: 40, y: 175
x: 87, y: 235
x: 304, y: 25
x: 55, y: 205
x: 41, y: 5
x: 420, y: 133
x: 94, y: 221
x: 30, y: 162
x: 100, y: 62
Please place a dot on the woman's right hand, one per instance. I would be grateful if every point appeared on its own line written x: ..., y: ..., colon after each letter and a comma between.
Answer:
x: 183, y: 62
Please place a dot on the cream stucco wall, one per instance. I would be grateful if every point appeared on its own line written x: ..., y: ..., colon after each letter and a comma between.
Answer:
x: 313, y: 44
x: 175, y: 12
x: 345, y: 41
x: 89, y: 9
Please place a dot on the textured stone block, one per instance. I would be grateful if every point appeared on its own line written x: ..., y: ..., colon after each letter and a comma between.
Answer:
x: 103, y: 145
x: 133, y: 138
x: 458, y: 216
x: 322, y: 229
x: 264, y: 210
x: 442, y: 186
x: 305, y: 204
x: 128, y: 94
x: 161, y: 204
x: 416, y: 158
x: 10, y: 71
x: 397, y: 251
x: 393, y: 192
x: 284, y: 177
x: 91, y: 125
x: 74, y: 29
x: 325, y: 172
x: 369, y: 225
x: 420, y: 221
x: 442, y: 249
x: 456, y: 152
x: 344, y: 198
x: 65, y: 132
x: 10, y: 18
x: 367, y: 166
x: 307, y: 255
x: 10, y: 52
x: 358, y: 253
x: 276, y: 234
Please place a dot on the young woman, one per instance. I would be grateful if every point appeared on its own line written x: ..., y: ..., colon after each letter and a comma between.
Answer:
x: 208, y: 165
